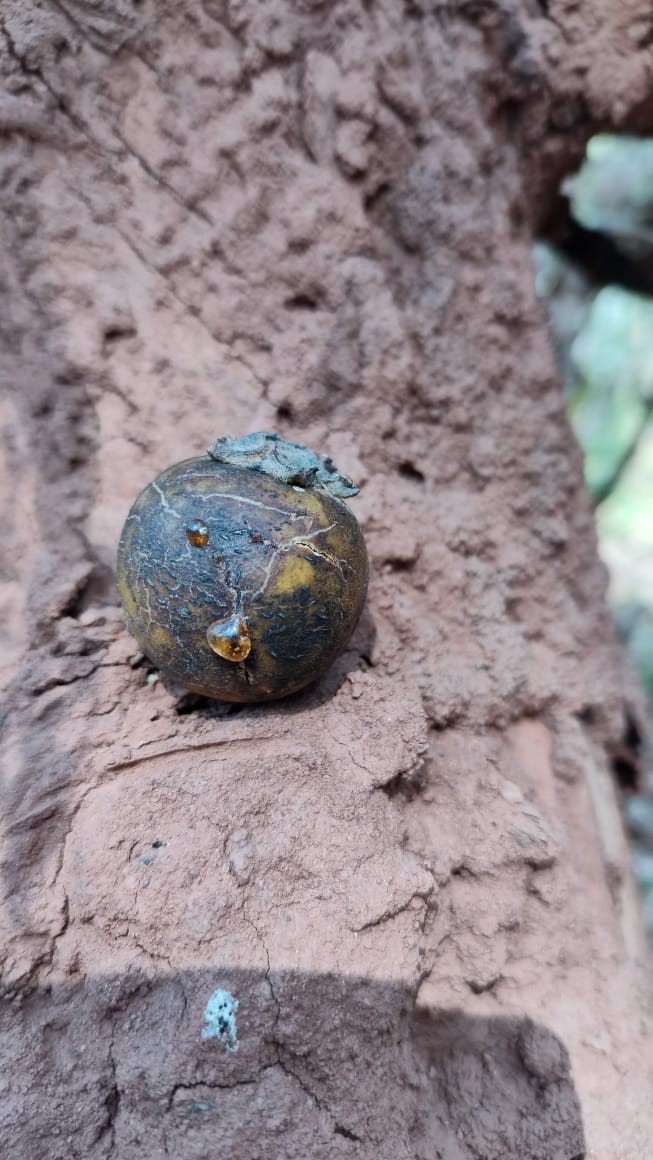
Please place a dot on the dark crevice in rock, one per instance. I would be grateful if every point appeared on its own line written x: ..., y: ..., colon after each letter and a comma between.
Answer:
x: 408, y: 470
x: 406, y: 785
x: 338, y: 1130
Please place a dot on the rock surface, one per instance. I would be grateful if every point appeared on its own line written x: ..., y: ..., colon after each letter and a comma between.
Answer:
x: 408, y: 886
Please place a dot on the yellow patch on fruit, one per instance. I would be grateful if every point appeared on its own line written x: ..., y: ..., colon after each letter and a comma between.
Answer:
x: 295, y: 572
x: 160, y: 636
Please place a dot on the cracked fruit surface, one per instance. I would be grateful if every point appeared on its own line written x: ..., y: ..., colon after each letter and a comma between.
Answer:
x: 238, y: 585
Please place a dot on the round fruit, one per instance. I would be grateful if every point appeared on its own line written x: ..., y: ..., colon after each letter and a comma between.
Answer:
x: 242, y: 572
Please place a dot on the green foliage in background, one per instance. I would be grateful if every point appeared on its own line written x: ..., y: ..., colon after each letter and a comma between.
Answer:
x: 604, y: 341
x: 611, y: 397
x: 613, y: 190
x: 641, y: 651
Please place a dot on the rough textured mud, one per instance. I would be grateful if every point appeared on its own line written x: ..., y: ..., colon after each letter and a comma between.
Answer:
x: 314, y: 218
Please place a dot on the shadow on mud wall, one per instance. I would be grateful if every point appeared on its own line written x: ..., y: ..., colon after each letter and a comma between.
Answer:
x: 235, y: 1063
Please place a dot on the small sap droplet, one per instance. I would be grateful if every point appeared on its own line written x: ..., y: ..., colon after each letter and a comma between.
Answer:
x: 197, y: 534
x: 230, y: 638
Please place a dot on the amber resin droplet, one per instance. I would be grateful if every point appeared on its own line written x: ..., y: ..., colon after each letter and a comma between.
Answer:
x: 230, y: 638
x: 197, y: 534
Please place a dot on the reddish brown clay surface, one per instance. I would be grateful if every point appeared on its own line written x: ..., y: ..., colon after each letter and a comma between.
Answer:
x: 314, y: 218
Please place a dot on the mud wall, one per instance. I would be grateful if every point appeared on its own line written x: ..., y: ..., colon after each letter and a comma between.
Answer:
x: 313, y: 218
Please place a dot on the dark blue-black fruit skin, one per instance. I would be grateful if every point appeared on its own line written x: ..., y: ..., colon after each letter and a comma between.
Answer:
x: 206, y: 541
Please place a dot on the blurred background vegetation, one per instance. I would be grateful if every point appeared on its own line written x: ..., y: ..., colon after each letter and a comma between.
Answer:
x: 598, y: 287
